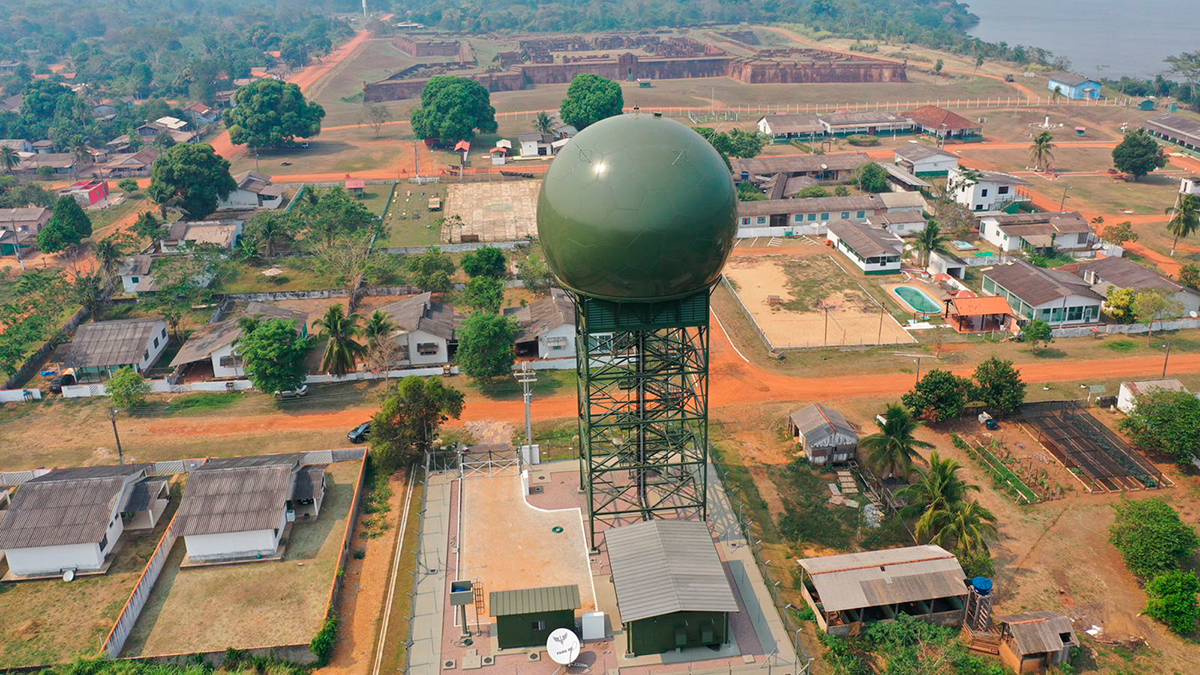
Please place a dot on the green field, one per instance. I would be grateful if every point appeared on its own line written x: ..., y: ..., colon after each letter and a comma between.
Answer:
x: 410, y: 222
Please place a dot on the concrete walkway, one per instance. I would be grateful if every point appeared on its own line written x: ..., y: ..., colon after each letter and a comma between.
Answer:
x: 425, y: 652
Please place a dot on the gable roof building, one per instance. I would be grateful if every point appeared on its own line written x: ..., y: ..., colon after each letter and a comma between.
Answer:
x: 1039, y: 231
x: 220, y: 233
x: 1055, y: 296
x: 943, y: 123
x: 1107, y: 274
x: 101, y: 347
x: 872, y: 250
x: 791, y: 126
x: 1035, y: 641
x: 1176, y: 128
x: 824, y: 434
x: 548, y: 324
x: 215, y: 342
x: 426, y: 329
x: 254, y: 191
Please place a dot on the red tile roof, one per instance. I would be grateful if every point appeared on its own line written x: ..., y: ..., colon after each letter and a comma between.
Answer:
x: 934, y: 117
x: 981, y: 306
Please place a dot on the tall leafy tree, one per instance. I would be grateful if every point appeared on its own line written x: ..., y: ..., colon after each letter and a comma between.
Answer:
x: 69, y: 225
x: 431, y: 270
x: 190, y: 177
x: 382, y: 350
x: 935, y: 494
x: 939, y: 396
x: 871, y: 177
x: 325, y: 216
x: 1041, y: 151
x: 485, y: 294
x: 272, y: 354
x: 408, y: 421
x: 109, y: 251
x: 453, y: 109
x: 1138, y: 154
x: 998, y: 385
x: 485, y: 261
x: 1185, y: 219
x: 148, y: 226
x: 1187, y: 66
x: 127, y: 389
x: 1166, y: 422
x: 591, y: 98
x: 1037, y: 332
x: 892, y: 449
x: 485, y: 346
x: 339, y: 329
x: 268, y: 231
x: 930, y: 240
x: 270, y: 113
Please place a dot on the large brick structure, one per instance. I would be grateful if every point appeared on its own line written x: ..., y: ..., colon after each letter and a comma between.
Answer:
x: 650, y: 56
x: 417, y: 47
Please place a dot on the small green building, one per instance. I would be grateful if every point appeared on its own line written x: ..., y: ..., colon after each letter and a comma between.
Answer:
x: 672, y: 592
x: 525, y: 618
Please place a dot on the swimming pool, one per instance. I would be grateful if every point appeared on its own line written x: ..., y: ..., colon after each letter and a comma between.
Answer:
x: 918, y: 300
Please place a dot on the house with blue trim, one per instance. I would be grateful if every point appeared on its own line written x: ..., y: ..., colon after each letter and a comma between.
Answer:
x: 1074, y: 86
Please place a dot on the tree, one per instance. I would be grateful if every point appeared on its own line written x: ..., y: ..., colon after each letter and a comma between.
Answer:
x: 269, y: 230
x: 190, y: 177
x: 485, y: 346
x: 935, y: 495
x: 183, y: 281
x: 1151, y: 537
x: 939, y: 396
x: 1155, y: 305
x: 127, y: 389
x: 89, y: 290
x: 10, y: 159
x: 871, y: 177
x: 1166, y: 422
x: 272, y: 354
x: 413, y: 410
x: 1189, y: 275
x: 543, y: 123
x: 1187, y: 66
x: 382, y: 350
x: 109, y: 251
x: 998, y: 385
x: 1041, y: 152
x: 812, y: 192
x: 1138, y: 154
x: 377, y: 115
x: 1119, y: 304
x: 452, y: 109
x: 148, y: 226
x: 965, y: 526
x: 1119, y: 234
x: 535, y: 273
x: 929, y: 240
x: 892, y: 449
x: 485, y: 294
x: 591, y: 98
x: 1037, y: 332
x: 1185, y: 219
x: 1171, y: 599
x: 486, y: 261
x: 841, y: 191
x: 350, y: 259
x: 323, y: 217
x: 430, y: 271
x: 937, y: 67
x: 127, y: 185
x: 339, y: 330
x: 270, y: 113
x: 68, y: 226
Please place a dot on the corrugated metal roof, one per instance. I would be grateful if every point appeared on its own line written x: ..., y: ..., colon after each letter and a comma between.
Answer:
x: 310, y: 482
x: 542, y: 316
x: 665, y: 566
x: 114, y: 343
x: 533, y: 600
x: 241, y: 499
x: 144, y: 493
x: 68, y: 506
x: 801, y: 164
x: 867, y: 241
x: 1039, y: 632
x: 891, y: 576
x: 824, y: 427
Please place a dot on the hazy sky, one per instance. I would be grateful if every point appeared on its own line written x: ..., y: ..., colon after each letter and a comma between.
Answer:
x: 1106, y: 38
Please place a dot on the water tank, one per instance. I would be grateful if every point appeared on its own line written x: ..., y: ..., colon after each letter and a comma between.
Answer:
x: 982, y: 585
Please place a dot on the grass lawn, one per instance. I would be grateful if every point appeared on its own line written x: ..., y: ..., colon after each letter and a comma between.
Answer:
x: 1066, y: 158
x: 258, y: 604
x: 248, y: 278
x: 1148, y: 196
x: 103, y: 219
x: 341, y: 93
x: 410, y: 222
x: 47, y: 622
x: 336, y: 150
x: 399, y: 620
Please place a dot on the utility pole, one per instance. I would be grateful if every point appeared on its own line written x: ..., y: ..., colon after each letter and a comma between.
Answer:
x: 527, y: 378
x: 1166, y: 357
x: 112, y: 415
x: 1063, y: 203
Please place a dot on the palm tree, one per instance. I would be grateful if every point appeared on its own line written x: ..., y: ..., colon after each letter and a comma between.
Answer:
x: 1185, y: 218
x: 79, y: 153
x: 935, y: 494
x: 108, y: 252
x: 10, y: 158
x: 967, y: 526
x: 339, y: 329
x: 378, y: 327
x: 930, y: 240
x: 1042, y: 150
x: 893, y: 447
x: 543, y: 124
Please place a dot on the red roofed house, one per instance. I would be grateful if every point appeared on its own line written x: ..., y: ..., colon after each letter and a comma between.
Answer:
x: 942, y: 123
x: 980, y: 313
x: 356, y: 186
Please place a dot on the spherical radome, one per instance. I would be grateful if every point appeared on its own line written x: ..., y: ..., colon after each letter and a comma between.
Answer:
x: 637, y: 208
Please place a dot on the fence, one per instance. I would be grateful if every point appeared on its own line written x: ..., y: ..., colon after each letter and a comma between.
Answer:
x: 746, y: 312
x: 165, y: 386
x: 115, y: 642
x: 11, y: 478
x: 1126, y: 328
x: 34, y: 361
x: 336, y: 585
x: 19, y: 395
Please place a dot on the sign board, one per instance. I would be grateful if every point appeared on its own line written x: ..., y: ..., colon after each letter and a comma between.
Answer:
x: 563, y: 646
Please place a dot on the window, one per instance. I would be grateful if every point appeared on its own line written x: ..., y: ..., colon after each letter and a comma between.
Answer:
x: 133, y: 280
x: 556, y: 342
x: 845, y: 215
x: 104, y: 542
x: 155, y: 342
x: 799, y: 218
x: 164, y: 333
x: 231, y: 361
x: 862, y: 214
x: 979, y: 207
x: 403, y: 352
x: 427, y: 348
x: 1002, y: 190
x: 1074, y: 314
x: 824, y: 216
x: 983, y: 192
x: 1056, y: 314
x: 812, y: 217
x: 145, y: 354
x: 762, y: 220
x: 538, y: 625
x: 745, y: 221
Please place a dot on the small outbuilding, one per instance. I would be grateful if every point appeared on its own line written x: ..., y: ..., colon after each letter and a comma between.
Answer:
x: 850, y: 591
x: 1129, y: 392
x: 1035, y: 641
x: 824, y: 434
x: 672, y: 592
x: 526, y: 617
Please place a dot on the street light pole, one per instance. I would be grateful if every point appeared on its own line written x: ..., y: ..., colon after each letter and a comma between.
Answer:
x: 1166, y: 357
x: 112, y: 415
x: 527, y: 378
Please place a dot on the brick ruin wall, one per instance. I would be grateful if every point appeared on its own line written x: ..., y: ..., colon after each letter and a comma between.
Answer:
x: 757, y: 72
x: 416, y: 47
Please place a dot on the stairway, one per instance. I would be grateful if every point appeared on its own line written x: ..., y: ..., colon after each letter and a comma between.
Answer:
x: 984, y: 642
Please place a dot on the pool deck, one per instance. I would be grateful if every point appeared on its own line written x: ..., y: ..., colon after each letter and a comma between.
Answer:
x: 940, y: 307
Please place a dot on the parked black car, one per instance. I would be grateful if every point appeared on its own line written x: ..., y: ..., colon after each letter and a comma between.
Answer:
x: 360, y: 433
x: 56, y: 385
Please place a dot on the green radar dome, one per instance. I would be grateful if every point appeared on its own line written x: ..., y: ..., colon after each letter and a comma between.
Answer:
x: 637, y: 208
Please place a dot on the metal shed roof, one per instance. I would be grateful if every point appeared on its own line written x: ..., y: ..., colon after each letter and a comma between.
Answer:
x: 67, y: 506
x: 888, y: 577
x: 114, y: 343
x: 666, y: 566
x: 534, y: 600
x: 245, y: 499
x: 824, y: 427
x: 1039, y: 632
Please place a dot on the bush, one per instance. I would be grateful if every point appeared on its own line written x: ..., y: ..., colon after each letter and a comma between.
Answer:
x: 1151, y: 537
x: 1171, y: 599
x: 1166, y: 422
x: 862, y: 141
x: 128, y: 185
x: 324, y: 641
x: 939, y: 396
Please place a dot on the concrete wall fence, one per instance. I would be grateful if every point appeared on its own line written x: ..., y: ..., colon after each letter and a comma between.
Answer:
x: 165, y: 387
x: 115, y: 642
x: 1126, y: 329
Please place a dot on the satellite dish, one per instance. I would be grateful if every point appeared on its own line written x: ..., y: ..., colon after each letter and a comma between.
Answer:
x: 563, y: 646
x: 69, y: 575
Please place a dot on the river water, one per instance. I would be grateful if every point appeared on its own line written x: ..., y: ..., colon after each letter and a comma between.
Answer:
x: 1102, y: 38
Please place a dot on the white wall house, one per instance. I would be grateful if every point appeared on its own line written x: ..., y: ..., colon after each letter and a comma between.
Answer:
x: 985, y: 190
x: 1189, y: 185
x: 216, y: 343
x: 872, y: 250
x: 103, y: 347
x: 1107, y: 274
x: 221, y: 546
x: 254, y: 191
x: 1038, y: 232
x: 925, y: 160
x: 1057, y: 297
x: 425, y: 330
x: 72, y: 519
x: 1130, y: 391
x: 546, y: 327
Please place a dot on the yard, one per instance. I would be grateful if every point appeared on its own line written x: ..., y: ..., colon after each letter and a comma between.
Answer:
x: 410, y: 222
x: 252, y: 604
x: 47, y: 622
x: 1149, y: 196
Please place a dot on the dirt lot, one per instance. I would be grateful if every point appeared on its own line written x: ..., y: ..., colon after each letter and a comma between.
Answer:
x: 258, y: 604
x: 805, y: 286
x: 46, y: 622
x: 499, y: 211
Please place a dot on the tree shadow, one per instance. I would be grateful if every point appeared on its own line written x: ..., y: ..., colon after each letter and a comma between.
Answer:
x: 1047, y: 353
